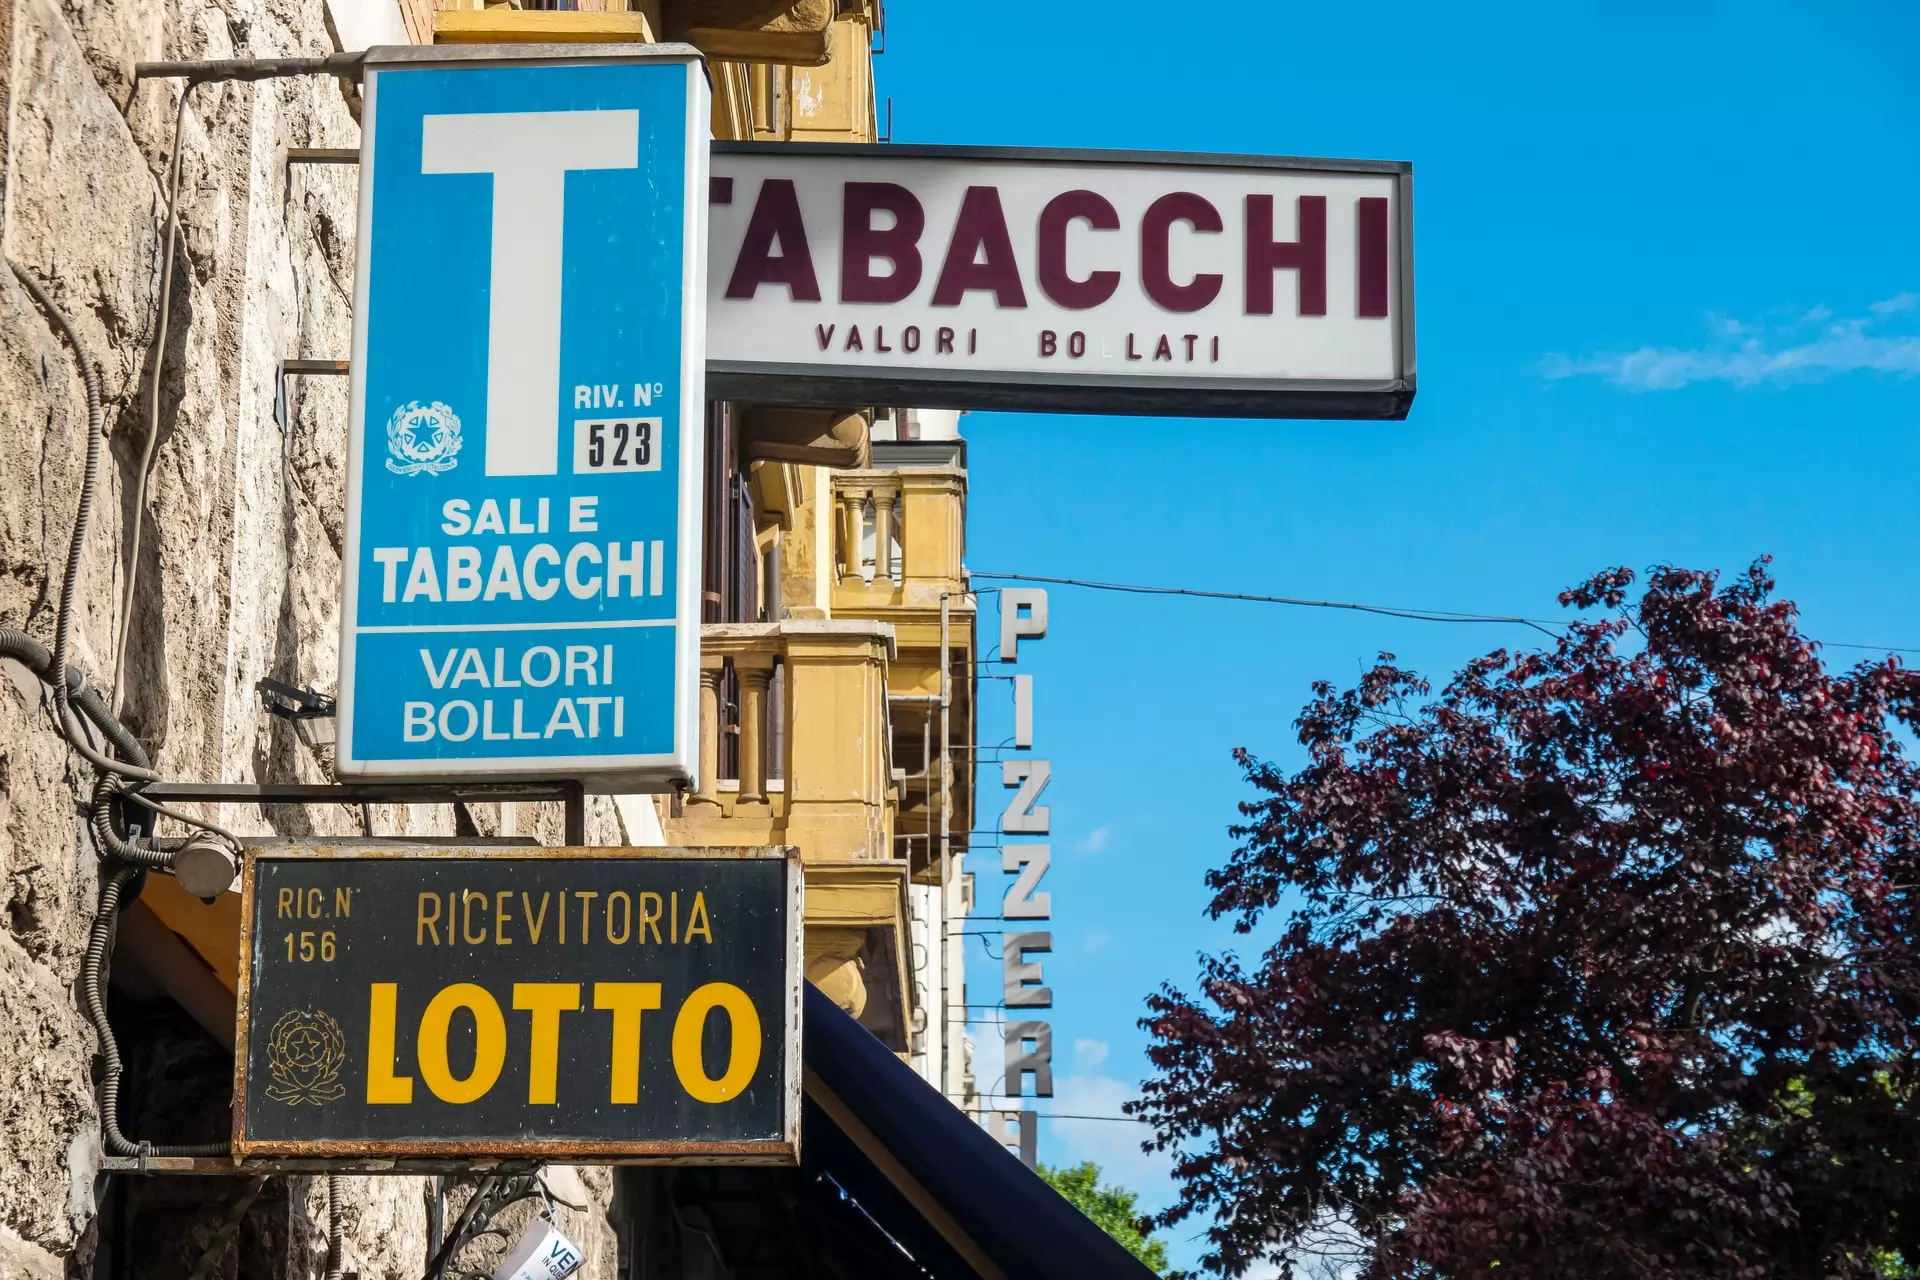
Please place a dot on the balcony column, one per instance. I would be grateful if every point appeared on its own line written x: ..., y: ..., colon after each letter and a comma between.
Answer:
x: 708, y: 795
x: 753, y: 736
x: 846, y: 519
x: 883, y: 537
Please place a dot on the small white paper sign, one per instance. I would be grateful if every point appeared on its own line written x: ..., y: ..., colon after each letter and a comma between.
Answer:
x: 542, y: 1253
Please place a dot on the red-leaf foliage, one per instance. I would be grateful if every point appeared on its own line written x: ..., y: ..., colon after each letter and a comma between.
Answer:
x: 1601, y: 964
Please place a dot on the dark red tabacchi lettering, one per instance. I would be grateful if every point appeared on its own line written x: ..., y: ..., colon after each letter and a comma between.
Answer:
x: 776, y: 219
x: 1055, y: 280
x: 1155, y: 230
x: 1370, y: 220
x: 1307, y: 255
x: 861, y: 242
x: 980, y: 232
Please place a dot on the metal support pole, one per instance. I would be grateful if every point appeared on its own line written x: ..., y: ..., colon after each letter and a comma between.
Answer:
x: 346, y: 65
x: 576, y: 824
x: 951, y: 995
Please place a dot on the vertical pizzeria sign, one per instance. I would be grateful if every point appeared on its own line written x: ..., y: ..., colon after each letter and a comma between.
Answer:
x: 588, y: 1003
x: 1027, y: 1040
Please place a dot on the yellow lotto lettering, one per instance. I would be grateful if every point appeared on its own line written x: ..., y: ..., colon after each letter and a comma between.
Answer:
x: 626, y: 1001
x: 546, y: 1001
x: 383, y: 1086
x: 743, y: 1053
x: 489, y: 1043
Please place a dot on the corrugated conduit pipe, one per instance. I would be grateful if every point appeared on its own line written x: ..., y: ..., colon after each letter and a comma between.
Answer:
x: 134, y: 855
x: 69, y: 686
x: 335, y: 1185
x: 92, y: 970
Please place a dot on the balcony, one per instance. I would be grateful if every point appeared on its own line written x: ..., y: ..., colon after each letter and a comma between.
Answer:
x: 796, y: 749
x: 898, y: 536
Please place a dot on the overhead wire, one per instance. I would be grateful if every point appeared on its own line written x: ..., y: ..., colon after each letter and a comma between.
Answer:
x: 1542, y: 625
x: 1392, y: 611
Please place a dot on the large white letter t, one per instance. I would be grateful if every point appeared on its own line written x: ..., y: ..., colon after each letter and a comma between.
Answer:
x: 529, y: 155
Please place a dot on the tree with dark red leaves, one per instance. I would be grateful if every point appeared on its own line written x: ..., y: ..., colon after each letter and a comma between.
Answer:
x: 1601, y: 964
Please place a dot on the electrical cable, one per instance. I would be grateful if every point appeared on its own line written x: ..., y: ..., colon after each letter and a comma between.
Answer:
x: 143, y: 851
x: 1543, y: 625
x: 153, y: 394
x: 92, y: 967
x: 1066, y: 1115
x: 335, y: 1184
x: 178, y: 816
x: 33, y: 655
x: 66, y: 690
x: 89, y: 480
x: 1391, y: 611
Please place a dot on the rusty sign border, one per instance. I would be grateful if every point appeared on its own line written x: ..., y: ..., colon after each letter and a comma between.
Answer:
x: 780, y: 1151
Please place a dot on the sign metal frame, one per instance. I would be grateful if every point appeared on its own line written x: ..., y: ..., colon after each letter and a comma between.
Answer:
x: 1045, y: 392
x: 618, y: 772
x: 782, y: 1151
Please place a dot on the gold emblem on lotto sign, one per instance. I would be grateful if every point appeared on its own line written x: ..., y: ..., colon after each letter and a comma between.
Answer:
x: 305, y: 1051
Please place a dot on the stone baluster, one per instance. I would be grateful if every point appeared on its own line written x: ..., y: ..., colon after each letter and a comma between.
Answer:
x: 883, y: 537
x: 708, y: 795
x: 898, y: 503
x: 753, y: 736
x: 846, y: 517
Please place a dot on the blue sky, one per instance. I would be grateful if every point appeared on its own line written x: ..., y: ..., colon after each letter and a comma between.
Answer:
x: 1668, y: 297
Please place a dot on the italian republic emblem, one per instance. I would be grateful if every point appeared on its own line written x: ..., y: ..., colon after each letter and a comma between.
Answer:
x: 423, y: 437
x: 305, y: 1051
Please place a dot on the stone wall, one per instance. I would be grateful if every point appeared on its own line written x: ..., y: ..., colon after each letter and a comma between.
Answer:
x: 237, y: 577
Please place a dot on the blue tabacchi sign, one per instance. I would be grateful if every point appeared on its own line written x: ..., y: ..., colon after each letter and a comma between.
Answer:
x: 522, y: 561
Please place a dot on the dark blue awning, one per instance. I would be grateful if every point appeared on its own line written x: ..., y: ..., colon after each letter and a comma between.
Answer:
x: 951, y: 1196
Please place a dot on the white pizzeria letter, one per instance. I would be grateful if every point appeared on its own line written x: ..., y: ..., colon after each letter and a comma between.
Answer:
x: 529, y: 154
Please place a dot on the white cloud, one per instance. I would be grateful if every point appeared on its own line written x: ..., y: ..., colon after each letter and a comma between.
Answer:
x: 1804, y: 347
x: 1089, y: 1053
x: 1114, y: 1145
x: 1095, y: 841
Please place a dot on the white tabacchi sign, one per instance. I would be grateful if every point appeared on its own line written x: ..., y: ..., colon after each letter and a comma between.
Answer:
x: 972, y: 277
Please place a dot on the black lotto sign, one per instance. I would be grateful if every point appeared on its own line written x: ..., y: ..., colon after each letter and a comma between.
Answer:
x: 587, y: 1003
